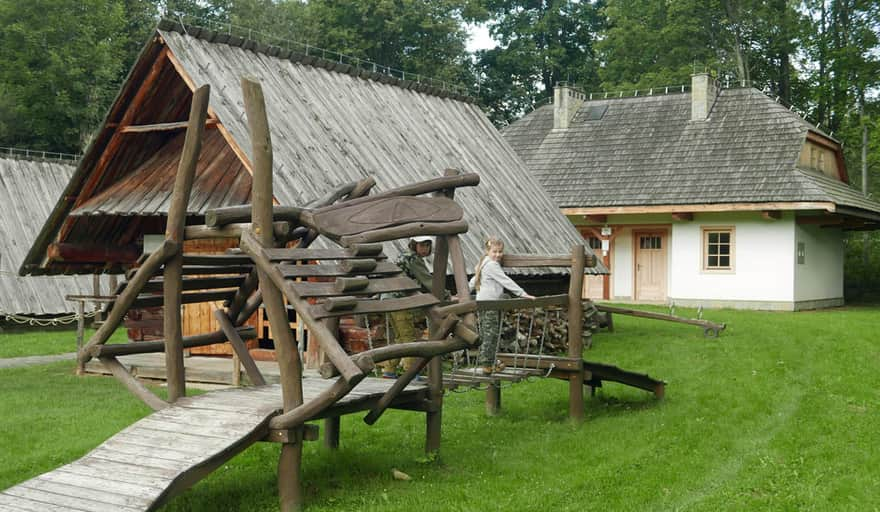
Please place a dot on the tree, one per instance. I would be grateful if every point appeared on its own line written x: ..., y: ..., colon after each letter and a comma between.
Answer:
x: 540, y: 44
x: 58, y: 73
x: 418, y: 37
x: 651, y: 44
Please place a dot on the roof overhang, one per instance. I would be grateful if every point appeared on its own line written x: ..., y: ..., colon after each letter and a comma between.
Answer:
x: 701, y: 208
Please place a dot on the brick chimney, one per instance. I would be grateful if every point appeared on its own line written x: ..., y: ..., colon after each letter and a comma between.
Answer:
x: 566, y: 102
x: 704, y: 90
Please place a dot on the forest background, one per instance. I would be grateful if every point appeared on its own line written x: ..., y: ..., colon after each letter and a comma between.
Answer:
x: 63, y: 61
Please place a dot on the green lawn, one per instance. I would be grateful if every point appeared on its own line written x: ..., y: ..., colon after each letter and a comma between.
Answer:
x: 780, y: 413
x: 18, y: 341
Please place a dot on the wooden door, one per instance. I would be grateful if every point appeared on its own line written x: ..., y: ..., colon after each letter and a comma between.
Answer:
x: 650, y: 265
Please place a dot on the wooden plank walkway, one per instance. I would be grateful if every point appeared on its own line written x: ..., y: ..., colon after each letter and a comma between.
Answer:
x: 162, y: 455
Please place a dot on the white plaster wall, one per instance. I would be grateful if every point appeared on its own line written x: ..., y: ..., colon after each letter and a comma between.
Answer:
x: 622, y: 266
x: 821, y: 274
x: 622, y: 255
x: 764, y: 259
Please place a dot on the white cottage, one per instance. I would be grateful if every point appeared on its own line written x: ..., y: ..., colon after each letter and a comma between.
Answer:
x: 720, y: 198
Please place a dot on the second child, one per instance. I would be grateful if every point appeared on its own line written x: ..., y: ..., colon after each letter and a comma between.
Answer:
x: 490, y: 282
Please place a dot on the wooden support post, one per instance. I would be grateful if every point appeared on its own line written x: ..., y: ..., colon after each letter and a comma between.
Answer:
x: 139, y: 390
x: 173, y: 274
x: 434, y: 417
x: 331, y: 432
x: 493, y: 398
x: 80, y: 334
x: 395, y: 389
x: 290, y: 463
x: 575, y: 331
x: 241, y: 351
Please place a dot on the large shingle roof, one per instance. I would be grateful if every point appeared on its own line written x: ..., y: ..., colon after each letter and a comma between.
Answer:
x: 647, y: 151
x: 332, y: 124
x: 28, y: 189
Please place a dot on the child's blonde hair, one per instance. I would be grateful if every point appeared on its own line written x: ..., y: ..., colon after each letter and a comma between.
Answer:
x: 490, y: 242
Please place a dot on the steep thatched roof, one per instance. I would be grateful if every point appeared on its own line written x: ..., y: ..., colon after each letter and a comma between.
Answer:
x: 28, y: 188
x: 330, y: 124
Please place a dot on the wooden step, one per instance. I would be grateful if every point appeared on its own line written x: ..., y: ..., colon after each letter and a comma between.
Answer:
x: 335, y: 270
x: 365, y: 306
x: 375, y: 286
x: 358, y: 251
x: 197, y: 283
x: 150, y: 301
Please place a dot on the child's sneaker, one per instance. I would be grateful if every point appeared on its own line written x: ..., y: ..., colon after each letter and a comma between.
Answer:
x: 389, y: 375
x: 499, y: 366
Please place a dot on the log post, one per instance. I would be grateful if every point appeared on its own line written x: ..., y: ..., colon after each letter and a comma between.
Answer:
x: 331, y: 432
x: 173, y: 274
x: 434, y: 417
x: 493, y: 398
x: 80, y: 334
x: 290, y: 462
x: 575, y: 332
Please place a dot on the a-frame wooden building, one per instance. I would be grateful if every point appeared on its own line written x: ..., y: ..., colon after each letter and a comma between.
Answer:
x: 335, y: 124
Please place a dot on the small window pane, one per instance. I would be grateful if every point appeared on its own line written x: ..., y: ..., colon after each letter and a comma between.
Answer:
x: 713, y: 238
x: 725, y: 238
x: 724, y: 261
x: 724, y: 249
x: 713, y: 261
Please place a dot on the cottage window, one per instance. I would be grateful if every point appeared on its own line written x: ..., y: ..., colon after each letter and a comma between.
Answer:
x: 718, y: 246
x: 594, y: 242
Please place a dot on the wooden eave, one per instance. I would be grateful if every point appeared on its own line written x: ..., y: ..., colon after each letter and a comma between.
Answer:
x: 700, y: 208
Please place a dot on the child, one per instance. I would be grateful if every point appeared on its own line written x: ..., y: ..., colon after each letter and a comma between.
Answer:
x: 403, y: 322
x: 490, y: 281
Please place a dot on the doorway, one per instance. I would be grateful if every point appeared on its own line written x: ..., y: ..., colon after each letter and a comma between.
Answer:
x: 649, y: 279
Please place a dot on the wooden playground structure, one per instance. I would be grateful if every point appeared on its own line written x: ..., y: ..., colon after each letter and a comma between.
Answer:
x: 188, y: 437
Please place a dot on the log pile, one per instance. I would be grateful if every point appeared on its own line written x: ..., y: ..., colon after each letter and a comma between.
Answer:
x: 520, y: 328
x: 524, y: 331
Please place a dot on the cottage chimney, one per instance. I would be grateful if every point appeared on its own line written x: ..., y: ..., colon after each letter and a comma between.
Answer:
x: 566, y: 102
x: 704, y: 90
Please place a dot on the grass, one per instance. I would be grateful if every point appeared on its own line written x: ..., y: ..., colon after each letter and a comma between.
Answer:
x: 780, y: 413
x: 16, y: 341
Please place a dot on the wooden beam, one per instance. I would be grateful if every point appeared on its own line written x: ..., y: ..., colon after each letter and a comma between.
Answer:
x: 92, y: 253
x: 173, y: 274
x: 575, y: 332
x: 127, y: 379
x: 281, y: 231
x: 149, y: 347
x: 162, y: 127
x: 697, y: 208
x: 683, y: 216
x: 250, y: 366
x: 290, y: 490
x: 596, y: 218
x: 771, y: 214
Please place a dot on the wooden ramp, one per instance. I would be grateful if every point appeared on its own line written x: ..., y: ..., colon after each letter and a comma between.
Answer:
x: 167, y: 452
x: 596, y: 373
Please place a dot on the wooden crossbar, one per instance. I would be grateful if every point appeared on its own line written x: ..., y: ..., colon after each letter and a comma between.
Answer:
x: 335, y: 270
